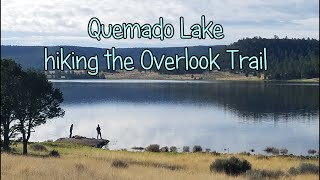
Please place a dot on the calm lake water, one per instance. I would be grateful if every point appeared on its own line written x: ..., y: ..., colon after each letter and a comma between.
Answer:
x: 237, y: 116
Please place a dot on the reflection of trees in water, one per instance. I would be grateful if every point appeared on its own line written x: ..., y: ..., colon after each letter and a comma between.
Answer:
x: 264, y: 99
x: 247, y: 99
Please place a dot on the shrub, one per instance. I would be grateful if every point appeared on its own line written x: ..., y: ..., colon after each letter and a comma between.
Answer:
x: 272, y: 150
x: 38, y: 147
x: 153, y: 148
x: 197, y: 148
x: 284, y: 151
x: 264, y: 174
x: 312, y: 151
x: 276, y: 152
x: 173, y: 149
x: 231, y: 166
x: 186, y: 149
x: 304, y: 168
x: 309, y: 168
x: 207, y: 150
x: 54, y: 153
x: 119, y: 164
x: 164, y: 149
x: 137, y: 148
x: 293, y: 171
x: 215, y: 153
x: 268, y: 149
x: 245, y: 153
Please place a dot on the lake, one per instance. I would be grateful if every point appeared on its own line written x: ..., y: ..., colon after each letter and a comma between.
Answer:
x: 220, y: 115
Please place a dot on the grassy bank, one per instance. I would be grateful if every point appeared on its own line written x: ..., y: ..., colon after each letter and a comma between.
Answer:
x: 82, y: 162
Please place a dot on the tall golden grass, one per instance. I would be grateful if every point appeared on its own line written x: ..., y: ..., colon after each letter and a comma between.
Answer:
x: 81, y: 162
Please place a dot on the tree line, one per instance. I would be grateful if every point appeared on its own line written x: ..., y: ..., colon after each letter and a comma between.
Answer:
x: 28, y: 100
x: 287, y: 58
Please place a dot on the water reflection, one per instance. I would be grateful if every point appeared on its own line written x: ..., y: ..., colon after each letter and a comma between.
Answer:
x: 246, y: 98
x: 238, y: 116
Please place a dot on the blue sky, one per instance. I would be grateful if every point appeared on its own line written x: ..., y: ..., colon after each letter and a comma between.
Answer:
x: 56, y: 22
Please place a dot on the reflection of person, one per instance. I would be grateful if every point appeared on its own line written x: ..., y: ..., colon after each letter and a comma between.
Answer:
x: 71, y: 128
x: 98, y: 132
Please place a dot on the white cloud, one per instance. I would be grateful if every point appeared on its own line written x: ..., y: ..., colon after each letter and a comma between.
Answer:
x: 57, y: 22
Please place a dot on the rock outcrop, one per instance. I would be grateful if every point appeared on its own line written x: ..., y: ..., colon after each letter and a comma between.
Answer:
x: 98, y: 143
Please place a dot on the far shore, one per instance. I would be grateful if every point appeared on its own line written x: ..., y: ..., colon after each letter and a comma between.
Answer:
x: 208, y: 76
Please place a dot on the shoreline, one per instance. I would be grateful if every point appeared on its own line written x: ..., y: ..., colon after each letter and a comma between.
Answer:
x: 215, y: 76
x: 312, y: 81
x: 93, y: 142
x: 207, y: 76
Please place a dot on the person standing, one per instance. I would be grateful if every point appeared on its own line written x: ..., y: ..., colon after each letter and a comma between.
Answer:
x: 98, y: 132
x: 71, y: 128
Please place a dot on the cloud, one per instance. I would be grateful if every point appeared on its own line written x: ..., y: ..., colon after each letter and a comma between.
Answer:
x: 58, y: 22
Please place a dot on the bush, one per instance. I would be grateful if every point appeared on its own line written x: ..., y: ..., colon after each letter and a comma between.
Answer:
x: 54, y: 153
x: 312, y: 151
x: 186, y: 149
x: 38, y: 147
x: 293, y: 171
x: 264, y: 174
x: 173, y: 149
x: 207, y: 150
x: 137, y: 148
x: 272, y: 150
x: 153, y: 148
x: 119, y: 164
x: 304, y: 168
x: 231, y: 166
x: 245, y: 153
x: 215, y: 153
x: 164, y: 149
x: 197, y: 148
x: 284, y: 151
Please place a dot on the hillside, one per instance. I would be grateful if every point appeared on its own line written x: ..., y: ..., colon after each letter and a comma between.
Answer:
x: 33, y: 56
x: 287, y: 58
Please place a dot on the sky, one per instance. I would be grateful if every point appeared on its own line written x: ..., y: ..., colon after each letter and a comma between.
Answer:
x: 57, y: 22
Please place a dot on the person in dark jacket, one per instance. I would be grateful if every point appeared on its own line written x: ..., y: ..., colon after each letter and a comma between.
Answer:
x: 98, y: 132
x: 71, y: 128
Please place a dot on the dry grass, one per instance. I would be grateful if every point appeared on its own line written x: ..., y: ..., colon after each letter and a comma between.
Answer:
x: 80, y: 162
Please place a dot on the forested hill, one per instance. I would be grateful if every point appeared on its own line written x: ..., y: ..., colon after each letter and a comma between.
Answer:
x: 33, y: 56
x: 287, y: 58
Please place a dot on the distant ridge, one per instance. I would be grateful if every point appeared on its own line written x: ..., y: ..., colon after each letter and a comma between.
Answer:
x: 287, y: 58
x: 33, y: 56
